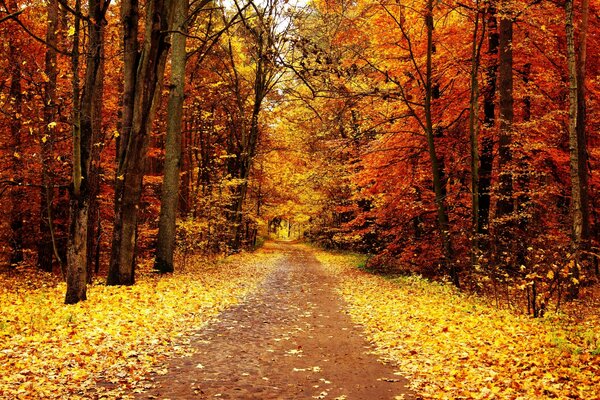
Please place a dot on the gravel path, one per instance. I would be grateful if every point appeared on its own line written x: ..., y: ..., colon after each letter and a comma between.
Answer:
x: 290, y: 340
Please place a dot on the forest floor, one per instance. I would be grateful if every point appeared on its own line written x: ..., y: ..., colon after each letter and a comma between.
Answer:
x: 285, y: 322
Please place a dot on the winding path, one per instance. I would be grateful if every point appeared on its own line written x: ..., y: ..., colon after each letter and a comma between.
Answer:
x: 290, y: 340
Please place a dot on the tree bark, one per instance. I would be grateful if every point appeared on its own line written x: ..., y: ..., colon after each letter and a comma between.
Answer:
x: 83, y: 139
x: 76, y: 275
x: 438, y: 185
x: 474, y: 138
x: 489, y: 119
x: 582, y: 153
x: 143, y: 82
x: 16, y: 193
x: 93, y: 224
x: 45, y: 244
x: 504, y: 223
x: 576, y: 198
x: 170, y: 189
x: 505, y: 205
x: 76, y: 248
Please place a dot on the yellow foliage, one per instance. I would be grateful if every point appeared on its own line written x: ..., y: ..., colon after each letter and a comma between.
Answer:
x: 453, y: 346
x: 104, y: 347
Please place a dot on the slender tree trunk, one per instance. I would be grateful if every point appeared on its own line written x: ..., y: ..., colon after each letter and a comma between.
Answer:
x: 93, y: 224
x: 46, y: 242
x: 506, y: 116
x: 576, y: 198
x: 16, y: 193
x: 474, y: 138
x: 83, y: 139
x: 442, y: 212
x: 143, y: 83
x: 170, y: 189
x: 489, y: 119
x: 76, y: 248
x: 504, y: 204
x: 582, y: 152
x: 130, y: 21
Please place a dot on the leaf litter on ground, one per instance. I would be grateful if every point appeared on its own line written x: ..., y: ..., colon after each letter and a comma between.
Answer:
x: 107, y: 346
x: 455, y: 346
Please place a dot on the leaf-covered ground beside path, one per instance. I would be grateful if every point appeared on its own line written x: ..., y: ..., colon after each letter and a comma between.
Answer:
x: 104, y: 347
x: 454, y: 346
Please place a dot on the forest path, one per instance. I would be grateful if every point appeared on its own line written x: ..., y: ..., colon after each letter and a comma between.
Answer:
x: 289, y: 340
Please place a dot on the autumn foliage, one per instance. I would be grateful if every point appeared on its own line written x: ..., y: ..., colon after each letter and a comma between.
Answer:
x: 436, y: 166
x: 450, y: 140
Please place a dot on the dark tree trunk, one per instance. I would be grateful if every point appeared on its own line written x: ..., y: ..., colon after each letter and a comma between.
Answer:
x: 83, y: 139
x: 505, y: 204
x: 477, y: 43
x: 16, y: 193
x: 170, y: 189
x: 93, y: 218
x: 582, y: 165
x: 45, y: 248
x: 436, y: 165
x: 504, y: 223
x: 76, y: 248
x: 489, y: 118
x: 574, y: 152
x: 76, y: 253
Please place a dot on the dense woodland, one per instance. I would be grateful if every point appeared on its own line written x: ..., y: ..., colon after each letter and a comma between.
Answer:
x: 446, y: 138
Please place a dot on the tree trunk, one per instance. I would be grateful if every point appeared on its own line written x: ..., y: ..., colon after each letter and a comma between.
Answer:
x: 582, y: 154
x: 504, y: 203
x: 83, y: 139
x: 170, y: 189
x: 576, y: 198
x: 45, y: 244
x: 489, y: 119
x: 143, y: 82
x: 505, y: 93
x: 76, y: 253
x: 93, y: 224
x: 474, y: 139
x: 130, y: 20
x: 75, y: 271
x: 438, y: 185
x: 16, y: 193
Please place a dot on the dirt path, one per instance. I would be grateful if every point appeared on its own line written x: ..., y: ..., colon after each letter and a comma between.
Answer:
x: 291, y: 340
